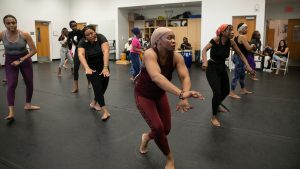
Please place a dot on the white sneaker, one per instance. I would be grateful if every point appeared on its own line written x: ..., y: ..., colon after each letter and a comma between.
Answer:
x: 269, y: 70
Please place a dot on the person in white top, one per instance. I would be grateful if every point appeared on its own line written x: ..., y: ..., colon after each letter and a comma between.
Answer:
x: 64, y: 50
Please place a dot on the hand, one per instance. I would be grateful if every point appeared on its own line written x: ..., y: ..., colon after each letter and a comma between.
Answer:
x: 75, y: 39
x: 16, y: 63
x: 183, y: 106
x: 89, y: 71
x: 194, y: 94
x: 204, y: 66
x: 250, y: 70
x: 105, y: 72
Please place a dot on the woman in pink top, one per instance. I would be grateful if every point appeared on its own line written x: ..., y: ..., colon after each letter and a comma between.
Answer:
x: 135, y: 51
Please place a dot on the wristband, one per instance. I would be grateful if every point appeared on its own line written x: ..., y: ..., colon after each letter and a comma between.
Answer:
x: 20, y: 60
x: 181, y: 95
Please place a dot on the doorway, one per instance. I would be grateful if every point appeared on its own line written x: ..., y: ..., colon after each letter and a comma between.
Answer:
x: 42, y: 41
x: 293, y: 39
x: 249, y: 20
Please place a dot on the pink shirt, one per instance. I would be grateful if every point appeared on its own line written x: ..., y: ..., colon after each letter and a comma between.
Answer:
x: 135, y: 43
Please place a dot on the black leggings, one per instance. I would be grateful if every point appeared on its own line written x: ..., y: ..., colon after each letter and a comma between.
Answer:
x: 219, y: 82
x: 76, y: 64
x: 99, y: 84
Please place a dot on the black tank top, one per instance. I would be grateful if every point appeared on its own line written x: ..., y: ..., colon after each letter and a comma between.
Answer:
x: 219, y: 52
x: 241, y: 47
x: 146, y: 87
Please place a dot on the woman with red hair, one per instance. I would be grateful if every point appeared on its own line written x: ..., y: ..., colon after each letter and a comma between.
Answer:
x: 215, y: 67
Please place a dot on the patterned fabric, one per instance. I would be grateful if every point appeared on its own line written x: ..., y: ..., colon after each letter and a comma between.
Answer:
x: 221, y: 29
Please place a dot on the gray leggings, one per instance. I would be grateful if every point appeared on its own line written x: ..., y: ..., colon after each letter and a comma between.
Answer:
x: 65, y: 53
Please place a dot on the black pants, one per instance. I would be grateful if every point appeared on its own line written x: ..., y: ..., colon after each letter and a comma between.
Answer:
x: 219, y: 82
x: 99, y: 84
x: 76, y: 64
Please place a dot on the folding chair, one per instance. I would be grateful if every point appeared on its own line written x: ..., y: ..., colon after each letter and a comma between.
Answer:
x: 283, y: 66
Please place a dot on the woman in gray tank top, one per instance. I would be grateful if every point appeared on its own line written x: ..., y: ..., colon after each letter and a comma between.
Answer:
x: 17, y: 57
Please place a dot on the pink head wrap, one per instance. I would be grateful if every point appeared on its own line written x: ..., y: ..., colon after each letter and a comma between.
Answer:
x: 157, y: 34
x: 221, y: 29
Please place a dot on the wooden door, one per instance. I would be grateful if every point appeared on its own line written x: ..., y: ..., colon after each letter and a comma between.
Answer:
x: 293, y: 39
x: 249, y: 20
x: 42, y: 41
x: 81, y: 25
x: 194, y: 29
x: 270, y: 37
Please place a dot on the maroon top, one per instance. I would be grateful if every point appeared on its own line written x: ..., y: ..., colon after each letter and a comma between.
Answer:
x: 146, y: 87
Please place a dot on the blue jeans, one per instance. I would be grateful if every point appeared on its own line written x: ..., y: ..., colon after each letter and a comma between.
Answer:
x: 277, y: 59
x: 136, y: 63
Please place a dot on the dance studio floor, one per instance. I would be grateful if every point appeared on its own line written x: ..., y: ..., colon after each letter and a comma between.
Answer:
x: 261, y: 131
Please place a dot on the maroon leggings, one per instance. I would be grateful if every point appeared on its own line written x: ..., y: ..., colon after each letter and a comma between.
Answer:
x: 12, y: 74
x: 157, y: 114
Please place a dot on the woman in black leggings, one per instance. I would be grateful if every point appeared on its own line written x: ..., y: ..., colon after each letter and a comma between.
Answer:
x: 93, y: 52
x: 216, y: 69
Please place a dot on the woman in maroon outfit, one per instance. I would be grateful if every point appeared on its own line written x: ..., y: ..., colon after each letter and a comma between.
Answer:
x: 152, y: 85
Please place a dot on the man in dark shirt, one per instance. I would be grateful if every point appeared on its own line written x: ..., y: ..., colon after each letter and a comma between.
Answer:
x: 73, y: 38
x: 185, y: 45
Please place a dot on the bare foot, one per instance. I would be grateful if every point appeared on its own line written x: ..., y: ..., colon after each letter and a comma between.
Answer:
x: 233, y: 95
x: 59, y: 75
x: 105, y: 116
x: 254, y: 78
x: 95, y: 105
x: 170, y: 162
x: 222, y: 109
x: 215, y: 122
x: 9, y: 117
x: 144, y: 143
x: 245, y: 91
x: 31, y: 107
x: 75, y: 91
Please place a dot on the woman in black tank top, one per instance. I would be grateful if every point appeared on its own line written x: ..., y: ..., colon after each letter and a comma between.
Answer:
x: 239, y: 70
x: 216, y: 73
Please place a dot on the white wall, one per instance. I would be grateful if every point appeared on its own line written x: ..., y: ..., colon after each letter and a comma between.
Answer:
x: 100, y: 12
x: 27, y: 11
x: 216, y: 12
x: 277, y: 10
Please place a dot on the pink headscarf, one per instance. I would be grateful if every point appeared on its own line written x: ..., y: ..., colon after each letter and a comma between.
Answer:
x: 157, y: 34
x: 221, y: 29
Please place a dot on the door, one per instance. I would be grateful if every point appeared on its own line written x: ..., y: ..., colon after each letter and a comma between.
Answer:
x: 81, y: 25
x: 194, y: 29
x: 270, y: 38
x: 42, y: 41
x: 249, y: 20
x: 293, y: 39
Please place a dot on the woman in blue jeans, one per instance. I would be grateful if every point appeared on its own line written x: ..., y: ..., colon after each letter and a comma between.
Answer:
x: 281, y: 54
x: 135, y: 51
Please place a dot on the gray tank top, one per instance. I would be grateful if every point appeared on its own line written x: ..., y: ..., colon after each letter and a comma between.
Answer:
x: 15, y: 48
